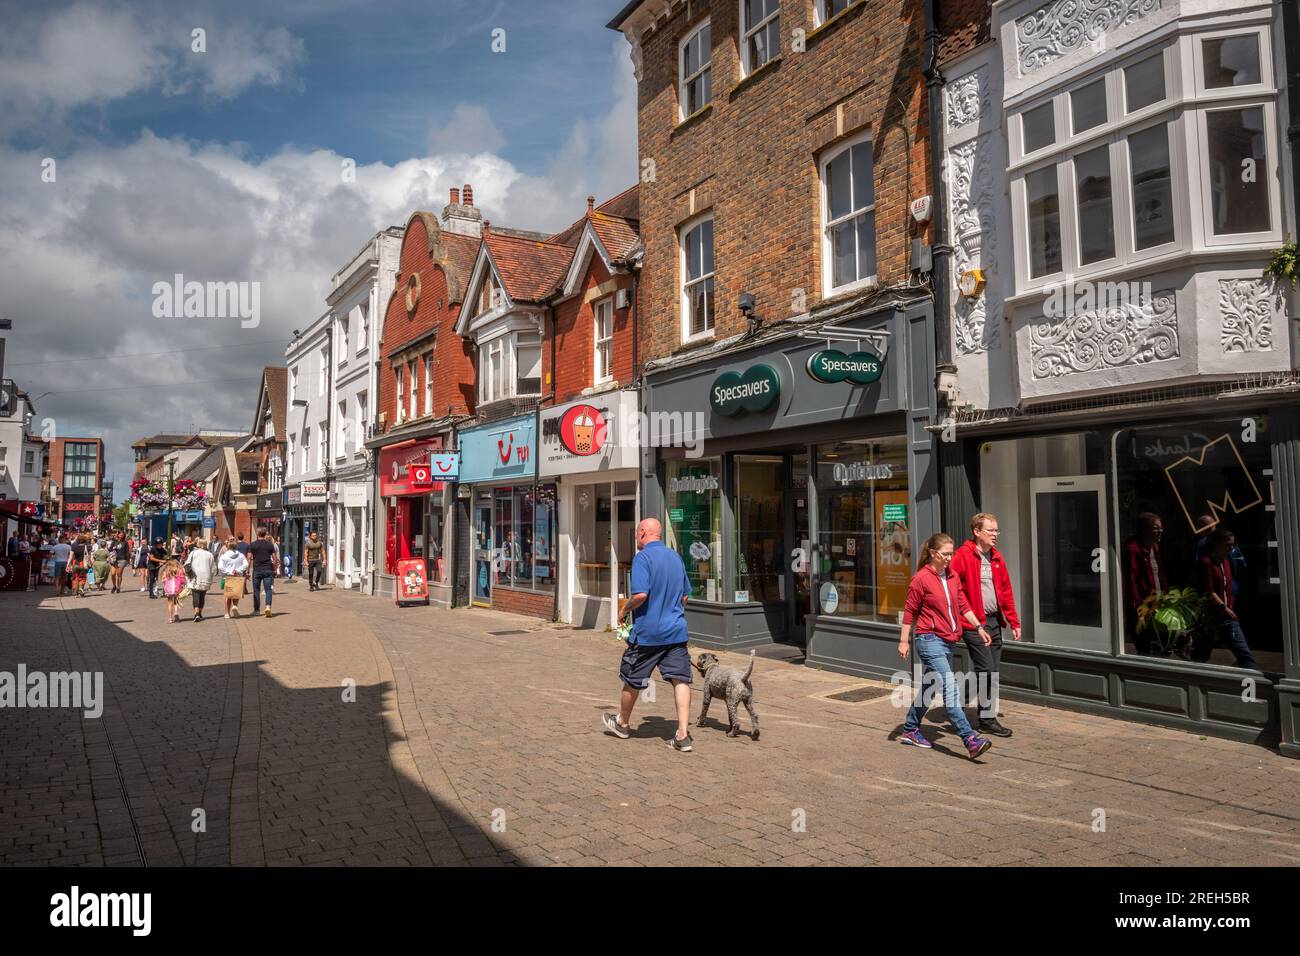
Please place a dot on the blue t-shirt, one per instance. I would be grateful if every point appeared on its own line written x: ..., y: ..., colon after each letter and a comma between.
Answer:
x: 659, y: 573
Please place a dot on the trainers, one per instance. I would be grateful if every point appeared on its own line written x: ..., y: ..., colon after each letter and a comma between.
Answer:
x: 976, y: 745
x: 267, y: 612
x: 615, y: 728
x: 684, y: 745
x: 916, y: 739
x: 994, y: 727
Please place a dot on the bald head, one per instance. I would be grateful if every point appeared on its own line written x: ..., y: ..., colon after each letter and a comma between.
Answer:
x: 648, y: 530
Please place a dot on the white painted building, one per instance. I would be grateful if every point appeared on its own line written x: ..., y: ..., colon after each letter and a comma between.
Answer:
x: 23, y: 456
x: 357, y: 301
x: 1117, y: 176
x: 307, y: 436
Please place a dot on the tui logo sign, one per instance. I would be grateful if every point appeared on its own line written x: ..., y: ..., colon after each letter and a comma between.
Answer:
x: 831, y: 366
x: 753, y: 391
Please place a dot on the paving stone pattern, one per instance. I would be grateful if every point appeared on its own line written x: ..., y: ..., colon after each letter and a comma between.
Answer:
x: 460, y: 746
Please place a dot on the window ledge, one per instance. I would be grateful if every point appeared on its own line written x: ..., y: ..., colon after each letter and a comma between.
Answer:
x: 694, y: 118
x: 818, y: 32
x: 745, y: 82
x: 850, y: 290
x: 695, y: 342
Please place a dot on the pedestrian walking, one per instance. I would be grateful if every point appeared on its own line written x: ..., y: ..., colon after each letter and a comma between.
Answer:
x: 99, y: 562
x: 234, y: 569
x: 265, y: 561
x: 314, y: 550
x: 1144, y: 575
x: 119, y: 558
x: 62, y: 558
x: 241, y: 545
x: 657, y: 609
x: 11, y: 548
x: 171, y: 578
x: 987, y: 586
x: 935, y: 602
x: 77, y: 564
x: 140, y: 561
x: 201, y: 565
x: 1214, y: 578
x: 157, y: 555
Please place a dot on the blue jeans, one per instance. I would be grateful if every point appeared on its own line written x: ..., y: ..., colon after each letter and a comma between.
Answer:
x: 936, y: 656
x: 260, y: 578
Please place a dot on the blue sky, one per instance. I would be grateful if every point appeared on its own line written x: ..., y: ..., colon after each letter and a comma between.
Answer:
x: 224, y: 165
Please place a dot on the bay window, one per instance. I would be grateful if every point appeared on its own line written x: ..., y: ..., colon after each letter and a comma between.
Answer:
x: 848, y: 217
x: 510, y: 366
x: 697, y: 276
x: 760, y: 33
x: 695, y: 89
x: 1158, y: 154
x: 528, y: 364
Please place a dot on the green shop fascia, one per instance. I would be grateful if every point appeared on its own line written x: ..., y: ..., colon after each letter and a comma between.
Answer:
x: 794, y: 475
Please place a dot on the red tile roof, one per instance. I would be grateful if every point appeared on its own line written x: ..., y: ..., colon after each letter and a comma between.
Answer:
x: 530, y: 270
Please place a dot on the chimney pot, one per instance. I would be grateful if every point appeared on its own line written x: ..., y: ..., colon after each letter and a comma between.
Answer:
x: 487, y: 225
x: 455, y: 196
x: 591, y: 203
x: 468, y: 193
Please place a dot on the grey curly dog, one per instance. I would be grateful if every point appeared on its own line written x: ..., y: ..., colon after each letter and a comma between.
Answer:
x: 731, y: 685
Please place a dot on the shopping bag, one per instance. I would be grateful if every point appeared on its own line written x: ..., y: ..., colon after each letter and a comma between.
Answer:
x: 185, y: 592
x: 234, y: 589
x: 90, y: 576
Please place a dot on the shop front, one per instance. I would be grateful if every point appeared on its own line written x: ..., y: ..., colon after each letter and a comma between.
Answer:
x: 415, y: 508
x: 349, y: 530
x: 795, y: 477
x: 269, y: 514
x: 590, y: 449
x: 511, y: 518
x: 1124, y: 534
x: 304, y: 512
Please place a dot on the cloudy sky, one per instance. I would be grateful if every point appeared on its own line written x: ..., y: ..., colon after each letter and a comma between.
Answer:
x: 126, y: 156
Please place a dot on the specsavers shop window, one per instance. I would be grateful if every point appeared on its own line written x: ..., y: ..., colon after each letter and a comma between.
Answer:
x: 760, y: 530
x: 692, y: 491
x: 865, y: 544
x: 1199, y: 553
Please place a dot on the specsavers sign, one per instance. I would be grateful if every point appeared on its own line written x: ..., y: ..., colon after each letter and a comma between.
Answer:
x: 754, y: 390
x: 830, y: 366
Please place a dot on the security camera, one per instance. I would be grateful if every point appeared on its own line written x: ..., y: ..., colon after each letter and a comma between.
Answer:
x: 746, y: 303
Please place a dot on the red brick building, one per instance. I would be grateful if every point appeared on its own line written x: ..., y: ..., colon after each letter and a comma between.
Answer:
x: 788, y: 322
x: 77, y: 468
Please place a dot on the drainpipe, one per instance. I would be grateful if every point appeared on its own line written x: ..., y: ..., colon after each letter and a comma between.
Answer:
x: 941, y: 250
x: 636, y: 319
x: 1291, y: 37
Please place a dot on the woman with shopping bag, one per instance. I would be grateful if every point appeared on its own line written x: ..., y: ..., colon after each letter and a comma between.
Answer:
x: 233, y: 566
x: 200, y: 564
x: 171, y: 578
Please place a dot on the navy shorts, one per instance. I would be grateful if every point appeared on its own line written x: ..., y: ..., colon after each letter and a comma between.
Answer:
x: 640, y: 660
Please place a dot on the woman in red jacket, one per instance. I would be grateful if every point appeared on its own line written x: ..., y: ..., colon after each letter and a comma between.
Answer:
x: 935, y: 603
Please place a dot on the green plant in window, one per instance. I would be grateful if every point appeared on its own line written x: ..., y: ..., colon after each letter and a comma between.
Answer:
x: 1282, y: 266
x: 1177, y: 620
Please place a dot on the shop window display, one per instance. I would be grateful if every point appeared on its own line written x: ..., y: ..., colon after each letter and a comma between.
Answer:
x: 865, y: 541
x: 760, y: 531
x: 591, y: 540
x: 693, y: 507
x: 524, y: 536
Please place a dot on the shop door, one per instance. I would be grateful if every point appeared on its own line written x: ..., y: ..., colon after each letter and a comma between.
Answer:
x: 482, y: 583
x: 1069, y: 561
x: 798, y: 586
x: 623, y: 540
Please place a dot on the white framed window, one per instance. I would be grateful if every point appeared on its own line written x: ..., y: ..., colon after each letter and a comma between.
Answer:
x: 492, y: 370
x: 848, y: 216
x: 320, y: 447
x: 1157, y: 154
x: 826, y: 9
x: 363, y: 332
x: 428, y: 384
x: 694, y: 71
x: 341, y: 438
x: 342, y: 337
x: 413, y: 371
x: 29, y: 462
x: 293, y: 384
x: 306, y: 450
x: 760, y: 33
x: 603, y: 335
x: 401, y: 406
x: 290, y: 452
x: 528, y: 363
x: 697, y: 279
x: 363, y: 416
x: 324, y: 371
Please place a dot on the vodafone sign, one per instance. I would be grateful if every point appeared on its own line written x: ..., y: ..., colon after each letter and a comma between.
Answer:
x: 399, y: 466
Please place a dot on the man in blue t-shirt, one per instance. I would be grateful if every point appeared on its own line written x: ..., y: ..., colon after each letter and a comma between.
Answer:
x: 657, y: 607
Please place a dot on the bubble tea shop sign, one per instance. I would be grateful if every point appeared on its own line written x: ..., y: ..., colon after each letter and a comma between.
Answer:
x: 754, y: 390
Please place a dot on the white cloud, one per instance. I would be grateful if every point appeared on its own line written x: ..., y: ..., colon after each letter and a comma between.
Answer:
x: 470, y: 130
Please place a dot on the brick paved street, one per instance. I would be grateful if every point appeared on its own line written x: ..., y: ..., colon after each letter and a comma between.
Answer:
x: 463, y: 717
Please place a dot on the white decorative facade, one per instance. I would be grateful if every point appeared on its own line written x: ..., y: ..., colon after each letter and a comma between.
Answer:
x: 357, y: 300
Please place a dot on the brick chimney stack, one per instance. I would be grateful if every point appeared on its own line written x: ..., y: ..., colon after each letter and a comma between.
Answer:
x: 591, y: 203
x: 460, y: 216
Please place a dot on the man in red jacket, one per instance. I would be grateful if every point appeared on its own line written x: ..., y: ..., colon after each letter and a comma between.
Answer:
x: 987, y: 584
